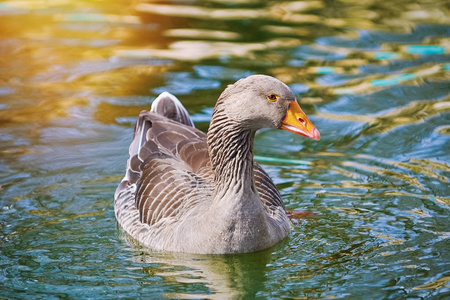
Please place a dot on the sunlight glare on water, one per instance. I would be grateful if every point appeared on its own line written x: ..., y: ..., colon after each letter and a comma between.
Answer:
x: 372, y: 197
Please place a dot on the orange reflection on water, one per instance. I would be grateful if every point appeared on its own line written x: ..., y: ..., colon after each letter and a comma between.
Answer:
x: 55, y: 54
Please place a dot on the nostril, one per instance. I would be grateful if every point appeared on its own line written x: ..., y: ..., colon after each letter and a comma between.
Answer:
x: 301, y: 121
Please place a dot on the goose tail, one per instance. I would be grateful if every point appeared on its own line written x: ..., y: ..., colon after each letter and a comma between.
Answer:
x: 170, y: 107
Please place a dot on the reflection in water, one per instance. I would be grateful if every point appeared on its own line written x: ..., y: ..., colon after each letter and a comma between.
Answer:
x: 202, y: 50
x: 201, y: 34
x: 373, y: 76
x: 227, y: 276
x: 414, y: 112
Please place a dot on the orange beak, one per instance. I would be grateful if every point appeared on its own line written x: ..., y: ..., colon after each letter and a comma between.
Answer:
x: 296, y: 121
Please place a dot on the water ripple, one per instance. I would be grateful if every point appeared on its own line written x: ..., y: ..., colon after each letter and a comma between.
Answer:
x: 371, y: 199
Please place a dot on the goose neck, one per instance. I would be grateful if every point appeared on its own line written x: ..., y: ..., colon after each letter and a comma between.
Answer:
x: 231, y: 152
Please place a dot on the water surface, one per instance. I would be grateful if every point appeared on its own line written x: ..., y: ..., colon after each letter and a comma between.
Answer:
x: 373, y: 76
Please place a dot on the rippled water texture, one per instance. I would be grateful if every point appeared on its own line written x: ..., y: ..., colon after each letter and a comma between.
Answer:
x: 374, y: 77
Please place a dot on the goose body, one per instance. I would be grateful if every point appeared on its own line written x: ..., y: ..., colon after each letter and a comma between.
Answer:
x: 187, y: 191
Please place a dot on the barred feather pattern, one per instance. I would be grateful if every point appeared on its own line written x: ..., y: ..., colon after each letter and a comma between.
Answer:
x: 239, y: 145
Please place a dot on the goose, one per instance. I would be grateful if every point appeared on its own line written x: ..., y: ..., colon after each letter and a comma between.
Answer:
x: 187, y: 191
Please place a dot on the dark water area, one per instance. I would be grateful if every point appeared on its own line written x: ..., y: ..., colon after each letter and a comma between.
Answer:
x: 373, y: 76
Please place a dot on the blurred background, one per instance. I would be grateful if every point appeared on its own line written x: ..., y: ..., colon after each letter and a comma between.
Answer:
x: 373, y: 76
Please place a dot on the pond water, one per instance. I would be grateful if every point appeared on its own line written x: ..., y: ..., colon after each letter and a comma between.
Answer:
x: 373, y: 76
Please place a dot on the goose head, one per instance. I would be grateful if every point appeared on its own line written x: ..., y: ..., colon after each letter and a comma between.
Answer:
x: 261, y: 101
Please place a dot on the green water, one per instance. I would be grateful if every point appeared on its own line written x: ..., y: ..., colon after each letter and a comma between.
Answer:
x: 373, y: 76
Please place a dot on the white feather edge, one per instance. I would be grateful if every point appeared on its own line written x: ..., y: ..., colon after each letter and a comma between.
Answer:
x: 181, y: 109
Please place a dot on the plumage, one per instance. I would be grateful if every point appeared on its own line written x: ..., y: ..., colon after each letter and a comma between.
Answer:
x: 188, y: 191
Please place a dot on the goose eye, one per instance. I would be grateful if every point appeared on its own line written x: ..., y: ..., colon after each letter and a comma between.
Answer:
x: 272, y: 97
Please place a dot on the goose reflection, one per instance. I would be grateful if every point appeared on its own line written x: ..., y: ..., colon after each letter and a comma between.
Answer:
x: 224, y: 276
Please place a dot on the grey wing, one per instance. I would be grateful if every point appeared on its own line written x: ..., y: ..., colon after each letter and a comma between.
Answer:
x: 164, y: 178
x: 268, y: 192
